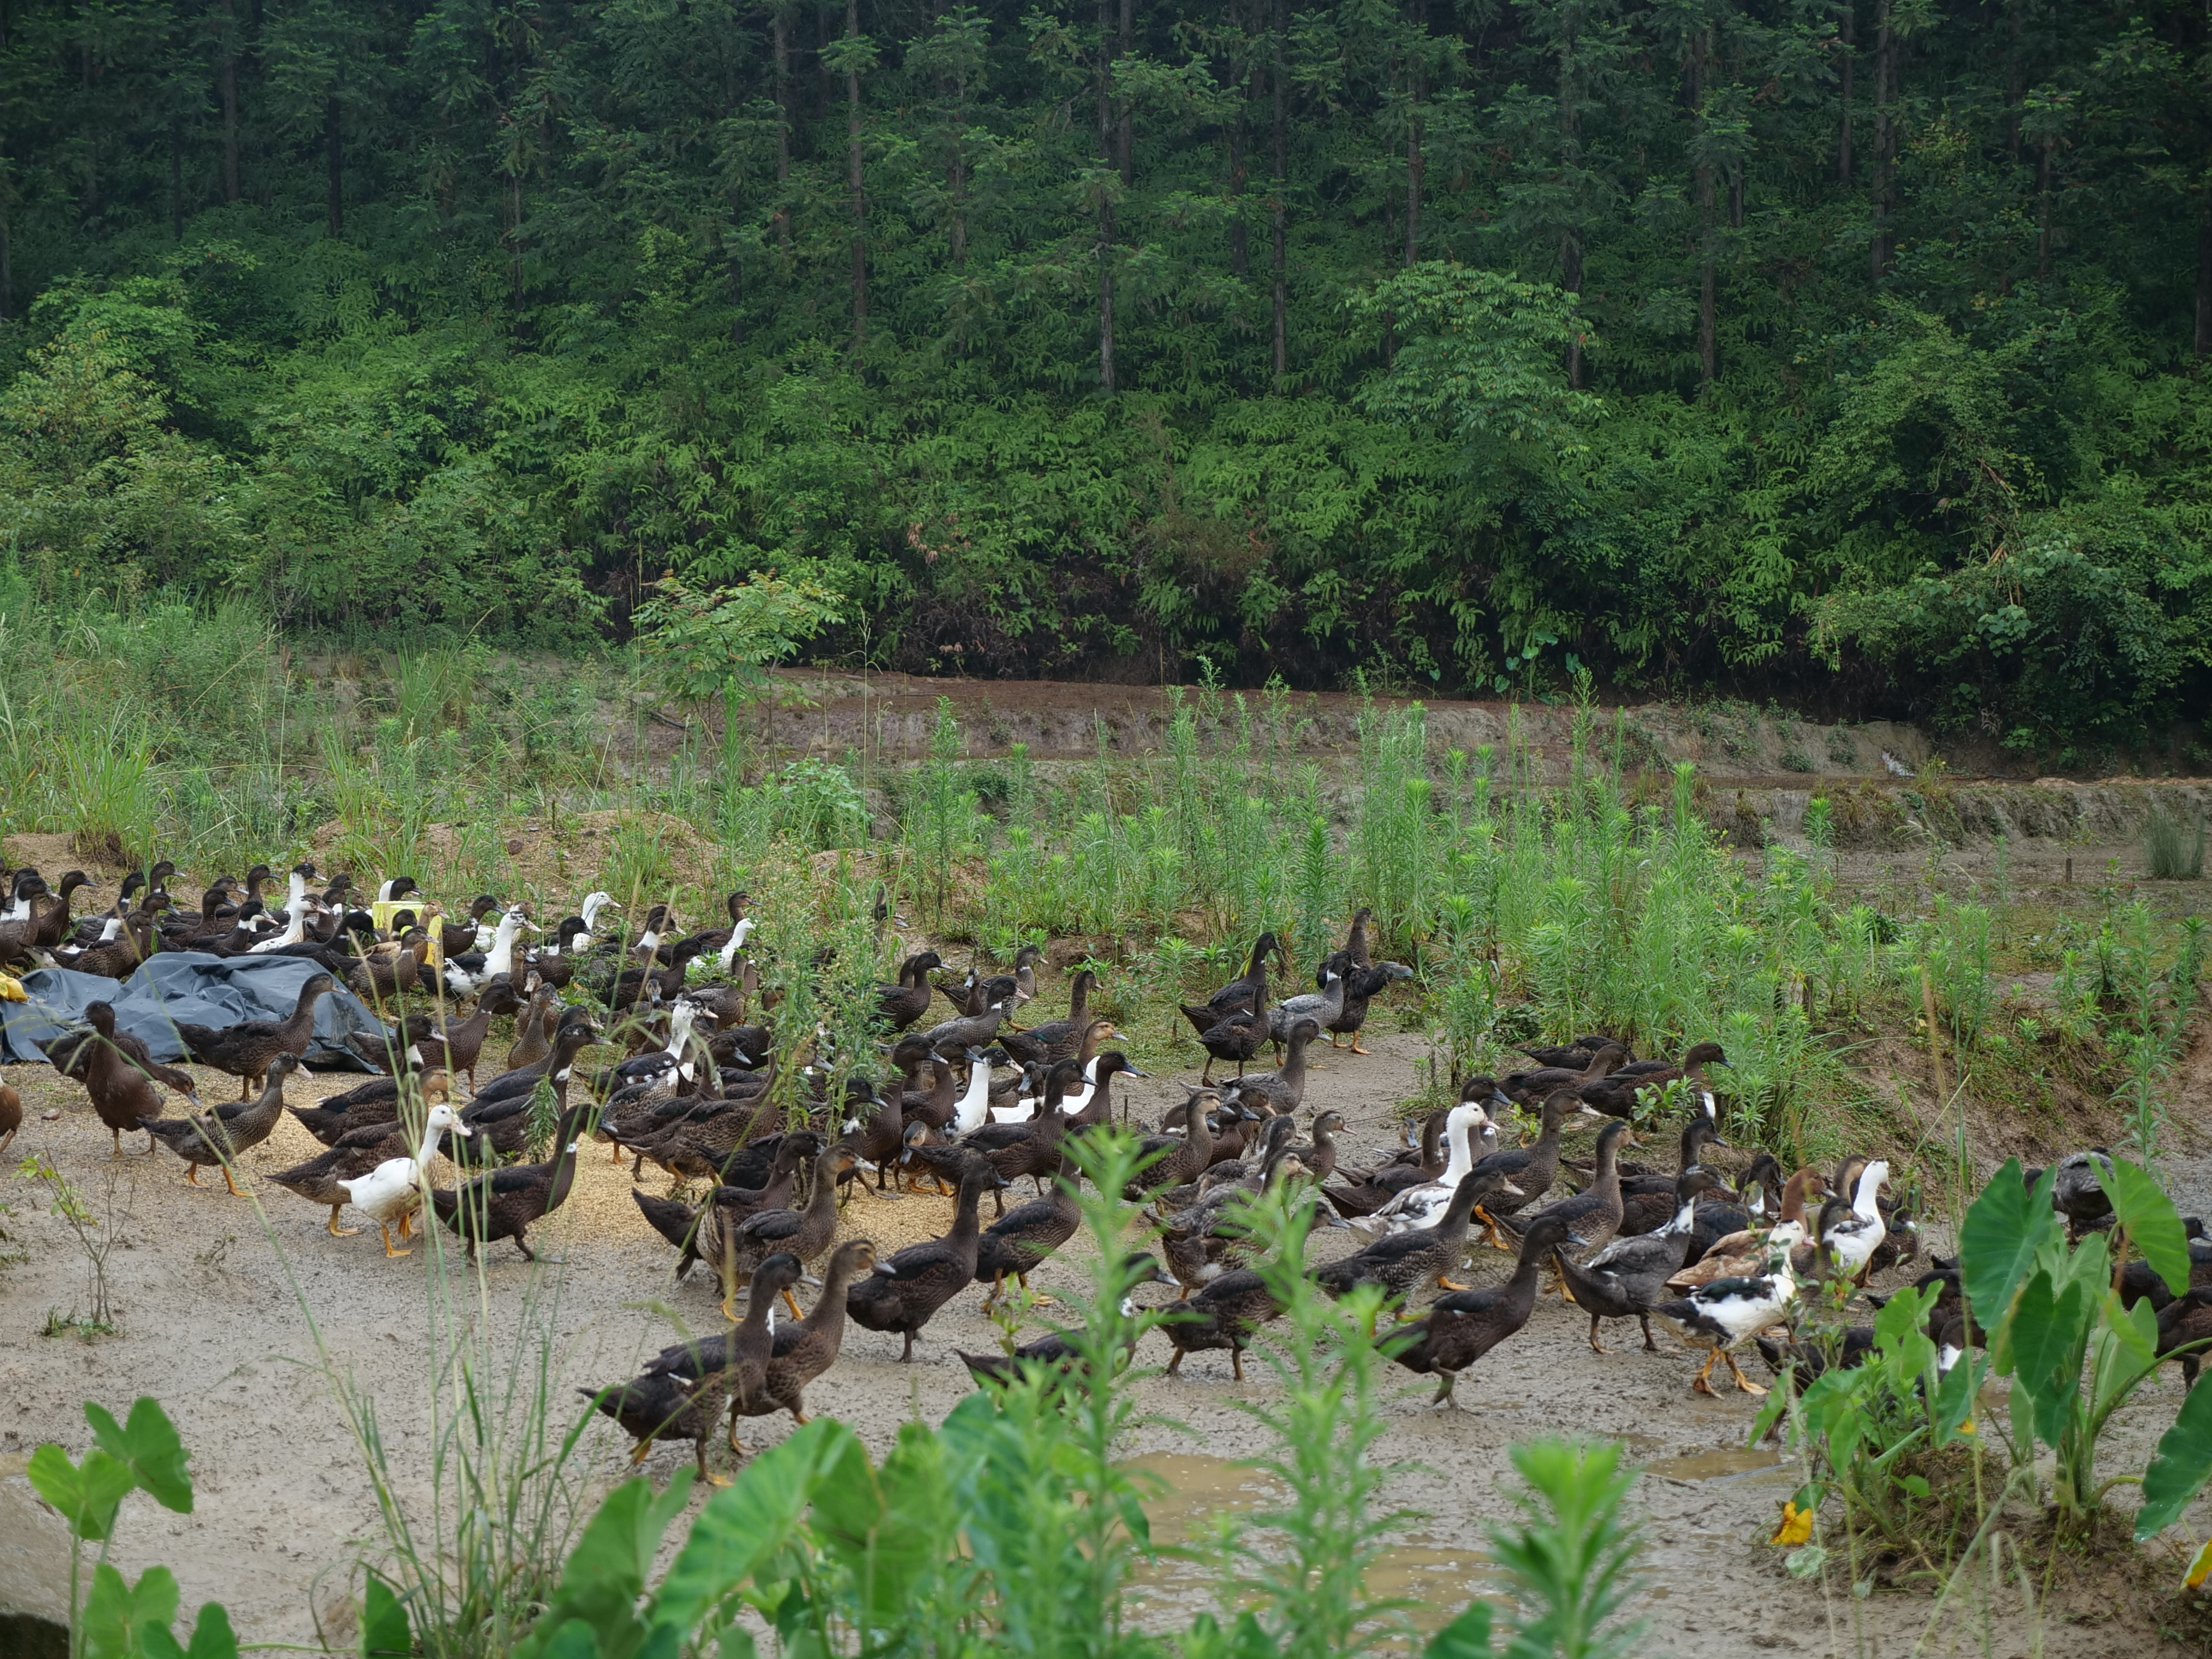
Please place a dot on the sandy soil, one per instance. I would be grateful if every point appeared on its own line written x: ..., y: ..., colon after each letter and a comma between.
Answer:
x: 213, y: 1307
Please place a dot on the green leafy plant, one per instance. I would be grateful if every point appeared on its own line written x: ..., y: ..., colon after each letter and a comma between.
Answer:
x: 2055, y: 1321
x: 97, y: 1238
x: 1571, y: 1559
x: 113, y: 1617
x: 1870, y: 1429
x: 713, y: 644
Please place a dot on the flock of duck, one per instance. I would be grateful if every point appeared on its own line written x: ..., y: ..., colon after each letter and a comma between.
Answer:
x: 762, y: 1165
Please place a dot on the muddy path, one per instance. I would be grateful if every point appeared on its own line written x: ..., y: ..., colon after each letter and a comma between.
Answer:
x: 214, y: 1311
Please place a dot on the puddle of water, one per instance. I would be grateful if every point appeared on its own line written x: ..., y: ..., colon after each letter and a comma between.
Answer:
x: 1439, y: 1579
x: 1198, y: 1491
x: 1193, y: 1486
x: 1724, y: 1464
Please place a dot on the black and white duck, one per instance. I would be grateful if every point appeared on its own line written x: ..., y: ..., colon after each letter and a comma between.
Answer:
x: 1722, y: 1314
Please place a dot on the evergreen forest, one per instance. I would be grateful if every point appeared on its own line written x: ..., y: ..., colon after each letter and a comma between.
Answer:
x: 1851, y: 353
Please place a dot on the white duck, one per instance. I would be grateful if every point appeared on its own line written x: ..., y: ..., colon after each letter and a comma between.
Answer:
x: 295, y: 930
x: 392, y: 1191
x: 738, y: 931
x: 1424, y: 1206
x: 974, y: 1110
x: 1853, y: 1240
x: 1721, y: 1315
x: 1027, y: 1106
x: 466, y: 975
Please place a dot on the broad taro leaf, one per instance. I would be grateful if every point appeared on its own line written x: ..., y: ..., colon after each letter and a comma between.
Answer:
x: 605, y: 1572
x: 2179, y: 1471
x: 2152, y: 1225
x: 2008, y: 1226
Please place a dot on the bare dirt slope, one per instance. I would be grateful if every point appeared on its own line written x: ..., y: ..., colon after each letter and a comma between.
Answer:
x: 213, y: 1323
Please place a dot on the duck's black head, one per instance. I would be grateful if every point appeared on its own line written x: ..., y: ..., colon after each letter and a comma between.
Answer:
x: 1547, y: 1232
x: 772, y: 1275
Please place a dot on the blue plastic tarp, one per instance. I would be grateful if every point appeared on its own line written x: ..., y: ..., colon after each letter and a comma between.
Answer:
x: 192, y: 985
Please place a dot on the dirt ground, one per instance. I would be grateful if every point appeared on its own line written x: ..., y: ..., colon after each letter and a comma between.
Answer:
x: 213, y: 1293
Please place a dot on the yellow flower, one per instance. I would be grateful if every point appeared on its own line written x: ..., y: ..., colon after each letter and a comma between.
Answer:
x: 2200, y: 1569
x: 1797, y: 1527
x: 11, y: 990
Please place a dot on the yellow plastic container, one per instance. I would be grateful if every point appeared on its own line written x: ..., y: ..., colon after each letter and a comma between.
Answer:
x: 381, y: 911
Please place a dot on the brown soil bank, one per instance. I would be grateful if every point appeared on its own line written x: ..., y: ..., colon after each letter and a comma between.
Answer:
x: 1889, y: 785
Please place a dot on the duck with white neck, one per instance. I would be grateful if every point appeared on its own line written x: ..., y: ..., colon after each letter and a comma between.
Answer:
x: 392, y: 1191
x: 1425, y: 1204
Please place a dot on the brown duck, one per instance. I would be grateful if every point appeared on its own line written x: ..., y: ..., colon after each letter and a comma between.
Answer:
x: 216, y: 1138
x: 505, y: 1203
x: 245, y: 1050
x: 1592, y: 1217
x: 681, y: 1224
x: 1459, y: 1328
x: 682, y: 1392
x: 122, y: 1095
x: 807, y: 1347
x: 806, y: 1233
x: 903, y: 1293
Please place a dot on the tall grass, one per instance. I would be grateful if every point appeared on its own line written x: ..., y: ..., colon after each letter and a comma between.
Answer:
x: 2171, y: 850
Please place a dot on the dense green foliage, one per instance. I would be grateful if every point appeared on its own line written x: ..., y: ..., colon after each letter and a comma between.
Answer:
x: 1845, y: 352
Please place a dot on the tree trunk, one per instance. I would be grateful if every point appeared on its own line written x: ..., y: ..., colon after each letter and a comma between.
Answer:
x: 1570, y: 247
x: 2203, y: 278
x: 1701, y: 45
x: 1240, y: 249
x: 2042, y: 208
x: 780, y: 26
x: 1846, y: 35
x: 1125, y: 138
x: 1105, y: 91
x: 334, y: 167
x: 1416, y: 160
x: 853, y: 177
x: 956, y: 231
x: 1885, y: 141
x: 176, y: 180
x: 8, y: 274
x: 2015, y: 76
x: 227, y: 82
x: 1278, y: 187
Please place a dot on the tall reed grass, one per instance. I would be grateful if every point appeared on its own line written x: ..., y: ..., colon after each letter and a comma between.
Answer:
x: 2173, y: 850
